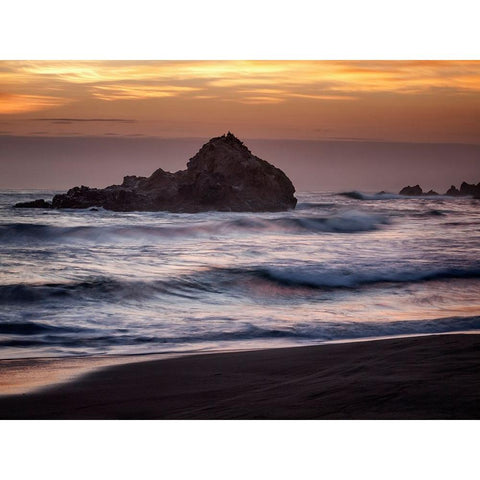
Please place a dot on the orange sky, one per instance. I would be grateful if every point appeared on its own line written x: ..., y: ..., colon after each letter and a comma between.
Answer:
x: 411, y: 101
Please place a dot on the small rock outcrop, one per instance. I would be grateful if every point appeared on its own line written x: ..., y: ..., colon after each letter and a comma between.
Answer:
x: 470, y: 189
x: 453, y: 191
x: 411, y: 191
x: 224, y: 176
x: 466, y: 189
x: 41, y: 203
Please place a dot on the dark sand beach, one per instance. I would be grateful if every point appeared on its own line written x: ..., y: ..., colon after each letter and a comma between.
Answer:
x: 431, y: 377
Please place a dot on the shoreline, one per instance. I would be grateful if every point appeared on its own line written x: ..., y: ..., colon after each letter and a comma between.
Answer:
x: 420, y: 377
x: 27, y: 375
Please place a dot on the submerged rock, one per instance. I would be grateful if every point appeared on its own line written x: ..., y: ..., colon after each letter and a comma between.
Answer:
x: 224, y: 176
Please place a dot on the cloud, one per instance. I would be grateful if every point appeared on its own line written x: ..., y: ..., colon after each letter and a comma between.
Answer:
x: 241, y: 81
x: 271, y: 95
x: 353, y: 139
x: 203, y: 97
x: 253, y: 100
x: 322, y: 97
x: 344, y: 77
x: 18, y: 103
x: 95, y: 72
x: 72, y: 120
x: 135, y: 91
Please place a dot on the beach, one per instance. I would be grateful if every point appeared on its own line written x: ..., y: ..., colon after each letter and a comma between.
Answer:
x: 425, y: 377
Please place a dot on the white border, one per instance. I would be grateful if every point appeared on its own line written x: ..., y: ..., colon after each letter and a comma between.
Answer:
x: 243, y: 30
x: 251, y: 29
x: 239, y: 450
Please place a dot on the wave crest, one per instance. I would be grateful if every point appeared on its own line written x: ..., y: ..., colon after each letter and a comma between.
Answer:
x: 356, y: 195
x: 226, y: 281
x: 318, y: 331
x: 331, y: 278
x: 345, y: 222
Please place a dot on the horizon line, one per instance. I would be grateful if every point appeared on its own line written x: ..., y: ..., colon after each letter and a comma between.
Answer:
x: 202, y: 138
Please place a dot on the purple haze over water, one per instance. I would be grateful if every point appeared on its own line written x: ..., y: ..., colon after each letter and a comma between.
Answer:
x: 63, y: 162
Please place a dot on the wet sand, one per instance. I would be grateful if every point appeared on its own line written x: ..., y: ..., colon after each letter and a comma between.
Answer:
x: 434, y: 377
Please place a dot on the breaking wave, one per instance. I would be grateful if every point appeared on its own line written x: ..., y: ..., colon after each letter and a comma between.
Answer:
x: 230, y: 281
x: 319, y: 331
x: 34, y: 328
x: 331, y: 278
x: 346, y: 222
x: 313, y: 205
x: 356, y: 195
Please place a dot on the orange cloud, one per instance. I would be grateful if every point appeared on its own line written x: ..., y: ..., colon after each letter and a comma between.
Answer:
x: 368, y: 98
x: 11, y: 103
x: 265, y: 95
x: 318, y: 79
x: 370, y: 77
x: 252, y: 100
x: 131, y: 92
x: 323, y: 97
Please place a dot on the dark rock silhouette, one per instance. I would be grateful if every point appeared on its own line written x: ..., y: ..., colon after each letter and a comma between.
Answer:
x: 453, y: 191
x: 466, y: 189
x: 411, y: 191
x: 223, y: 176
x: 41, y: 203
x: 470, y: 189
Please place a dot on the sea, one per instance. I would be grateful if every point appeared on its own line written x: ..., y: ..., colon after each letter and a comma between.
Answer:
x: 340, y: 267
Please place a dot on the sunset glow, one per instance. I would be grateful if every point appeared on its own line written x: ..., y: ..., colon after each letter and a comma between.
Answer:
x: 425, y: 101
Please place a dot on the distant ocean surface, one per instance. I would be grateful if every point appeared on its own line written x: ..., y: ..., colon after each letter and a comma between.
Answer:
x: 82, y: 282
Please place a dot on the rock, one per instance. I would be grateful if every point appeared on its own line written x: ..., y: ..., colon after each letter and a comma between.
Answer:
x: 34, y: 204
x: 111, y: 198
x: 411, y: 191
x: 453, y: 191
x: 470, y: 189
x: 223, y: 176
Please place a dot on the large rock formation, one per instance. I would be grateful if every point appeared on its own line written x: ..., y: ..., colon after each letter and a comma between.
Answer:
x: 223, y: 176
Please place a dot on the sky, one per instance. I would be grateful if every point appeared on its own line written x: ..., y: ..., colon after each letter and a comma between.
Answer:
x: 374, y: 100
x: 56, y: 103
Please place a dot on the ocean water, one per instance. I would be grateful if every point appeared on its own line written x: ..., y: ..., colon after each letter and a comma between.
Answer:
x: 82, y: 282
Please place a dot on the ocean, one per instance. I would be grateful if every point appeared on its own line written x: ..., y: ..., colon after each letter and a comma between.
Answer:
x: 337, y: 268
